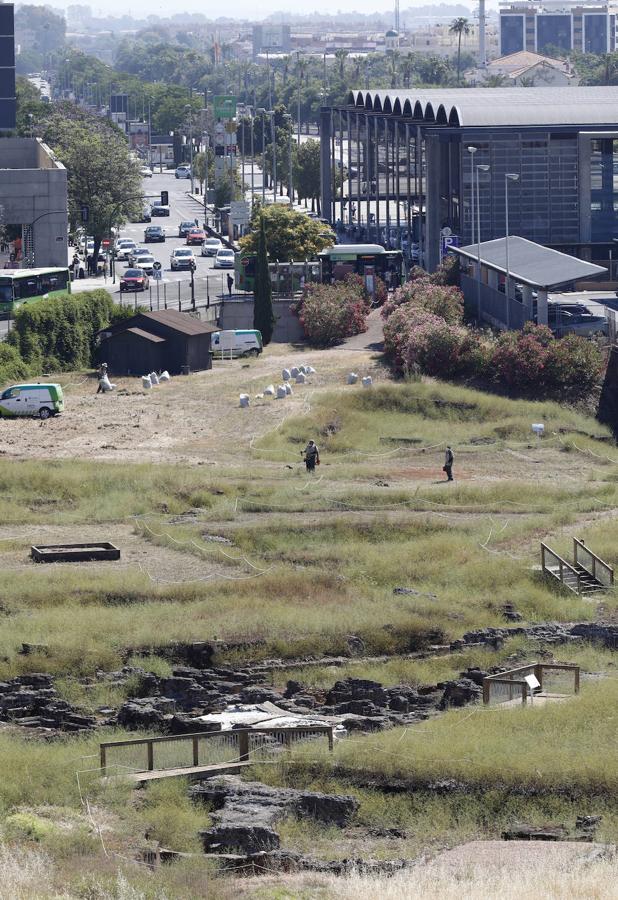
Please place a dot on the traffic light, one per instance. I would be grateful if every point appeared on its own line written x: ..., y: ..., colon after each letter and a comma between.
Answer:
x: 165, y: 198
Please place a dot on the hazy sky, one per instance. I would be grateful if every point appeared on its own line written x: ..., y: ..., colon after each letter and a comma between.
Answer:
x: 246, y: 9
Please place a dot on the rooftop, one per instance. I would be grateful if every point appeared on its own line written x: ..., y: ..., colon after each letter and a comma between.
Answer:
x: 474, y: 107
x: 531, y: 263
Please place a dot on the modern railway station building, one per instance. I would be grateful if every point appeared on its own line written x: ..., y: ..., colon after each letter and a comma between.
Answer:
x: 428, y: 168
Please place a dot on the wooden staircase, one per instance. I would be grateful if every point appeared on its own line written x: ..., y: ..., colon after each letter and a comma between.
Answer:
x: 587, y: 575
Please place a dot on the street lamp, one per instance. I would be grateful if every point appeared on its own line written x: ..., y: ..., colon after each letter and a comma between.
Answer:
x: 262, y: 112
x: 509, y: 176
x: 189, y: 111
x: 252, y: 120
x: 479, y: 168
x: 472, y: 151
x: 289, y: 121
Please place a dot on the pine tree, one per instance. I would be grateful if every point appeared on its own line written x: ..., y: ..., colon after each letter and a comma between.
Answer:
x: 263, y: 316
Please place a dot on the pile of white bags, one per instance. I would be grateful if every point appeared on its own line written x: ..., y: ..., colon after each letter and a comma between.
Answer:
x: 367, y: 381
x: 352, y: 377
x: 269, y: 391
x: 244, y: 401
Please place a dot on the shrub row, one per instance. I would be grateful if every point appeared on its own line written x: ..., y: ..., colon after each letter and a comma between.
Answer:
x: 57, y: 334
x: 424, y: 333
x: 329, y: 313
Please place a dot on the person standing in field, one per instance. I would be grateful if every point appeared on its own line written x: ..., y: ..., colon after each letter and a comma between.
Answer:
x: 312, y: 456
x: 449, y: 459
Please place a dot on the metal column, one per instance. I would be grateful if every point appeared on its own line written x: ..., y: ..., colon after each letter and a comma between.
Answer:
x: 368, y: 158
x: 397, y: 191
x: 325, y: 164
x: 358, y: 169
x: 377, y: 177
x: 348, y: 130
x: 387, y: 168
x: 418, y: 154
x: 409, y: 193
x: 342, y: 204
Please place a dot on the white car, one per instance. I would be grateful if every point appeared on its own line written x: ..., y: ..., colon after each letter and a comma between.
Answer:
x: 211, y: 247
x: 183, y: 172
x: 182, y: 258
x: 224, y: 259
x: 135, y: 255
x: 124, y: 247
x: 146, y: 172
x: 146, y: 263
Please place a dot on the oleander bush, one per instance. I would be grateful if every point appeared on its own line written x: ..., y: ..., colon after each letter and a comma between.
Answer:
x: 331, y: 312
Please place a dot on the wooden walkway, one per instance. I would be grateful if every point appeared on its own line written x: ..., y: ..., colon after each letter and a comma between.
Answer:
x: 186, y: 772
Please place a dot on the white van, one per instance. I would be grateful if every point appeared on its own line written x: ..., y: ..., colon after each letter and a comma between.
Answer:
x: 241, y: 342
x: 42, y: 400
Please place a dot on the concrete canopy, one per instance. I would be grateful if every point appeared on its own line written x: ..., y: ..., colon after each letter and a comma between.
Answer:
x: 530, y: 263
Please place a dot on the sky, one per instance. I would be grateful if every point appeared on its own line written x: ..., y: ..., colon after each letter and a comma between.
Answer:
x: 247, y: 9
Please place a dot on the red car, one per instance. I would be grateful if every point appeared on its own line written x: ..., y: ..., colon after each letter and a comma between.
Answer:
x: 196, y: 236
x: 134, y: 280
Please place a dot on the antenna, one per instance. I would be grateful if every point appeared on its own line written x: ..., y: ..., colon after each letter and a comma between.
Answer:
x: 482, y: 50
x: 397, y: 16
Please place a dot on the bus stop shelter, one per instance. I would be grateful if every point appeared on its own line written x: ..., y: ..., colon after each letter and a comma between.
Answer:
x: 526, y: 268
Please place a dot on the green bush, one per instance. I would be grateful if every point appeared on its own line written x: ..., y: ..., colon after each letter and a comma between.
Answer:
x: 12, y: 366
x: 27, y: 826
x: 61, y: 333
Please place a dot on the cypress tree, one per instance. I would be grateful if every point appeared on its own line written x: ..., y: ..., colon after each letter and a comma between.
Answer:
x: 263, y: 316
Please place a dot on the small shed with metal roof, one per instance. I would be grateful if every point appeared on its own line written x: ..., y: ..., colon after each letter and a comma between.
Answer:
x: 155, y: 341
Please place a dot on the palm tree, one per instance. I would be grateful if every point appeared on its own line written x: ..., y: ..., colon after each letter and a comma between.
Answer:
x: 459, y: 26
x: 341, y: 56
x: 408, y: 68
x: 394, y: 59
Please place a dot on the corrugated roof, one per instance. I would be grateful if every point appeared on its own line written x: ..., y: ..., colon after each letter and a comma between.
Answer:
x: 531, y: 263
x: 493, y: 107
x: 179, y: 321
x: 147, y: 335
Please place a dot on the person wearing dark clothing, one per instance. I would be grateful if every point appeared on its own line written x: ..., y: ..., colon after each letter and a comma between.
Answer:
x: 102, y: 375
x: 90, y: 264
x: 449, y: 459
x: 230, y: 283
x: 312, y: 456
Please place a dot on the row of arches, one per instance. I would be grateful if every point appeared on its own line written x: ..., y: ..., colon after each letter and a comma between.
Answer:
x: 419, y: 110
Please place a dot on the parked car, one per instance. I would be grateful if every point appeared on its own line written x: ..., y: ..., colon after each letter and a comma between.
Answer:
x: 42, y: 400
x: 159, y: 209
x: 146, y: 172
x: 224, y: 259
x: 154, y: 234
x: 123, y: 247
x: 184, y: 228
x: 196, y: 236
x: 182, y: 258
x: 134, y: 280
x: 241, y: 342
x: 577, y: 319
x: 211, y: 246
x: 183, y: 172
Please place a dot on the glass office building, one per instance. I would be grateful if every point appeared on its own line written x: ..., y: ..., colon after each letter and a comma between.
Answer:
x: 563, y: 24
x: 411, y: 178
x: 7, y: 66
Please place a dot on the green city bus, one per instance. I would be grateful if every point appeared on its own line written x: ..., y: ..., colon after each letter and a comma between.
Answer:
x: 18, y: 286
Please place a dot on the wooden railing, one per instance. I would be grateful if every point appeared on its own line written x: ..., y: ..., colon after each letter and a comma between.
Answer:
x: 554, y: 565
x: 515, y: 679
x: 593, y: 564
x: 240, y: 744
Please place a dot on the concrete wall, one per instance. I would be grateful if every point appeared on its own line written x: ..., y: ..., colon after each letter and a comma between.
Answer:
x: 33, y: 191
x: 233, y: 314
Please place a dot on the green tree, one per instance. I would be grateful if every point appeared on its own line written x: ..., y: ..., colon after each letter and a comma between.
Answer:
x: 289, y: 235
x: 263, y: 315
x: 101, y: 173
x: 30, y: 108
x: 307, y: 173
x: 459, y: 26
x: 40, y: 31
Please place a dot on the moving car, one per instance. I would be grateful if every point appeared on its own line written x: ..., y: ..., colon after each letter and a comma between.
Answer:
x: 146, y: 263
x: 183, y: 172
x: 184, y: 228
x: 241, y: 342
x: 196, y: 236
x: 123, y: 247
x: 134, y: 280
x: 153, y: 234
x: 42, y: 400
x: 224, y: 259
x: 135, y: 254
x: 146, y: 172
x: 159, y: 209
x: 182, y: 258
x: 211, y: 246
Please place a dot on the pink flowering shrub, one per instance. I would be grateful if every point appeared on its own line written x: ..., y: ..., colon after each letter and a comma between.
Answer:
x: 441, y: 300
x: 329, y: 313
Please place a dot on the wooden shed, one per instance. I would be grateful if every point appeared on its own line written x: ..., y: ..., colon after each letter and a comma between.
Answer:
x: 154, y: 341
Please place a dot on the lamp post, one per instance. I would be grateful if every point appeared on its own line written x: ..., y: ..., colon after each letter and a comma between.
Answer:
x: 252, y: 119
x: 273, y: 139
x: 479, y: 168
x: 289, y: 122
x: 298, y: 97
x: 472, y: 151
x: 262, y: 112
x: 509, y: 176
x: 189, y: 111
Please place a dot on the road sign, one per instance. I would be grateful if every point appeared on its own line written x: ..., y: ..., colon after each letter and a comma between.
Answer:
x: 224, y: 106
x: 157, y: 274
x: 240, y: 212
x: 156, y: 266
x: 85, y: 212
x: 447, y: 242
x: 105, y: 242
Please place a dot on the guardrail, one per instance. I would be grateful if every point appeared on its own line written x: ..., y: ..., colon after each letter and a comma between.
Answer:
x: 555, y: 565
x: 506, y: 686
x: 205, y: 748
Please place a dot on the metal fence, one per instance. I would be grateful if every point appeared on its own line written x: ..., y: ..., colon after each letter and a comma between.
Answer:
x: 493, y: 305
x: 555, y: 679
x: 179, y: 294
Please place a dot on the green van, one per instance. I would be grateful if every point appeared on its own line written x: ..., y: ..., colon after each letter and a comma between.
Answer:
x: 42, y: 400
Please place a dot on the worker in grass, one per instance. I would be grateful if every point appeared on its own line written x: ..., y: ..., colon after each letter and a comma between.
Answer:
x: 449, y: 459
x: 311, y: 456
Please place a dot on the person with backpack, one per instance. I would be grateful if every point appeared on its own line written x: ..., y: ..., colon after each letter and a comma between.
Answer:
x: 449, y: 459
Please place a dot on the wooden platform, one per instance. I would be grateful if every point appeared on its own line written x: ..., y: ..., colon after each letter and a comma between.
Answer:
x: 184, y: 772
